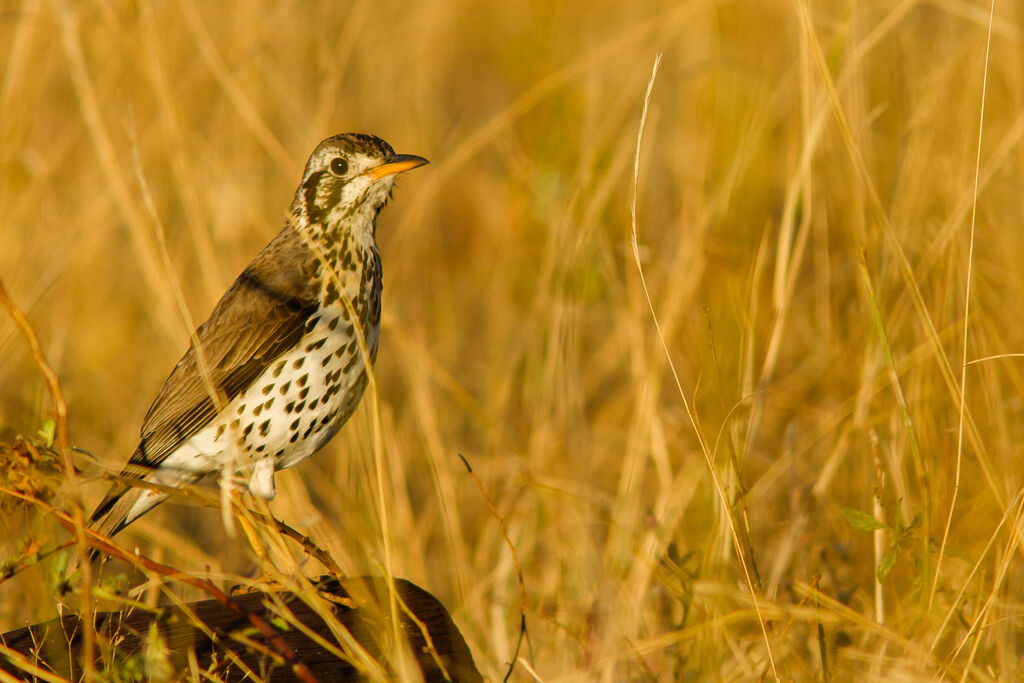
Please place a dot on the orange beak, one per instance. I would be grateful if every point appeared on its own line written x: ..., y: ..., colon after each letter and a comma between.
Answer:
x: 396, y: 163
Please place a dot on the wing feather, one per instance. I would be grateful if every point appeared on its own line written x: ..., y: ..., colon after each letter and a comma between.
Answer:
x: 262, y: 315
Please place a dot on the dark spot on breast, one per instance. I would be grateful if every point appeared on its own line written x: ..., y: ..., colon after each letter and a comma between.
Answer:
x: 298, y: 362
x: 259, y: 449
x: 311, y: 323
x: 332, y: 293
x: 270, y: 402
x: 333, y: 324
x: 264, y: 427
x: 259, y: 409
x: 313, y: 404
x: 284, y: 387
x: 295, y: 425
x: 267, y: 389
x: 315, y: 346
x: 302, y: 380
x: 289, y: 407
x: 304, y: 392
x: 248, y: 428
x: 298, y: 408
x: 278, y: 369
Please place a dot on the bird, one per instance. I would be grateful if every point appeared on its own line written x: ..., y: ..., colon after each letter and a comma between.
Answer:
x: 281, y: 363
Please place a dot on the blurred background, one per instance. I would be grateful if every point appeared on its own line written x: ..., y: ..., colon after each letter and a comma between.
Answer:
x: 804, y: 222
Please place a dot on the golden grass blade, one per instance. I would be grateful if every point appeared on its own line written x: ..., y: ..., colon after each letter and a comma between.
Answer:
x: 967, y: 311
x: 720, y: 490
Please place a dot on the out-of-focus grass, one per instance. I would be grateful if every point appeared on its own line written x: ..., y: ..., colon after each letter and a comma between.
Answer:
x: 810, y: 285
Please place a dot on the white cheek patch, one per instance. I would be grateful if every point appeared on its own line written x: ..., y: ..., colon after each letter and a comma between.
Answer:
x: 354, y: 189
x: 366, y: 195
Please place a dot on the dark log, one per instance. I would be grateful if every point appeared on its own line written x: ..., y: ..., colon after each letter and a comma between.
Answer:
x: 363, y: 609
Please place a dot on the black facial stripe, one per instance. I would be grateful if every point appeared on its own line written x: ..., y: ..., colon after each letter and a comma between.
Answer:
x: 317, y: 206
x: 313, y: 212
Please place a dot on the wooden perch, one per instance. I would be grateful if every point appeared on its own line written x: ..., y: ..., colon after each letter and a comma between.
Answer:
x: 361, y: 605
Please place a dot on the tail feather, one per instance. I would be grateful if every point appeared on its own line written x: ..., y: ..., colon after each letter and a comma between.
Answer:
x: 126, y: 502
x: 122, y: 505
x: 114, y: 494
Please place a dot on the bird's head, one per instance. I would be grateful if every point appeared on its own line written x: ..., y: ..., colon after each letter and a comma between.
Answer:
x: 348, y: 178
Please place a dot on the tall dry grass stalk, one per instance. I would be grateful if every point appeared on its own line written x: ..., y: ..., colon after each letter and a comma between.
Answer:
x: 814, y: 190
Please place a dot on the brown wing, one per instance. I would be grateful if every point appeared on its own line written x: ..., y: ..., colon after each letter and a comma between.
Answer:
x: 263, y: 314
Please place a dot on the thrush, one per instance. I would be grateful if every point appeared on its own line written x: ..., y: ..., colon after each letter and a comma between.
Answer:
x: 281, y: 363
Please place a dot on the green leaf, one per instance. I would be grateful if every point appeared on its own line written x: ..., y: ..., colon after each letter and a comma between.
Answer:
x: 56, y: 570
x: 156, y: 657
x: 915, y: 523
x: 861, y: 521
x: 47, y: 432
x: 887, y: 563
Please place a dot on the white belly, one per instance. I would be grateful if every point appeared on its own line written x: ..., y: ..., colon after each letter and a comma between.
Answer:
x: 293, y: 409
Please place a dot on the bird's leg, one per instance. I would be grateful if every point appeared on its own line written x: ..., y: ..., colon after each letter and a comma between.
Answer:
x: 261, y: 483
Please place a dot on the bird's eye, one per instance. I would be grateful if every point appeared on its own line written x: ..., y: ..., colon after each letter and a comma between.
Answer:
x: 339, y: 166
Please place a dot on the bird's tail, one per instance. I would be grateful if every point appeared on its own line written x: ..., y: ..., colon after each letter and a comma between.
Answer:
x: 122, y: 505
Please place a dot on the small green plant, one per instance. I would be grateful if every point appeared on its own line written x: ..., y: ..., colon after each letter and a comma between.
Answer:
x: 900, y: 537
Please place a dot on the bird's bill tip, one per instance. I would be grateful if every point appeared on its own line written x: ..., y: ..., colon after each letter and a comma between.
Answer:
x: 396, y: 163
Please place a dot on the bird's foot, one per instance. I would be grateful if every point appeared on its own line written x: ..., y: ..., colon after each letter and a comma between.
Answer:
x: 263, y: 584
x: 261, y: 483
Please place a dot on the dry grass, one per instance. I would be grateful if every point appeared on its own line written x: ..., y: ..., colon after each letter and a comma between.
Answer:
x: 805, y: 217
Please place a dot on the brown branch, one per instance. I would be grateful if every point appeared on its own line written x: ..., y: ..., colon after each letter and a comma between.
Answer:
x: 100, y: 542
x: 437, y: 645
x: 515, y: 559
x: 63, y: 444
